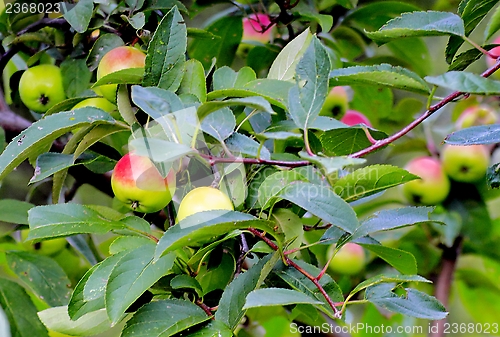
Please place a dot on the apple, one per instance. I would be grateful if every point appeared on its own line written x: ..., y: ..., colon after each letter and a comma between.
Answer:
x: 476, y: 115
x: 465, y: 163
x: 46, y: 247
x: 434, y: 185
x: 349, y: 260
x: 137, y: 182
x: 41, y: 87
x: 336, y: 103
x: 252, y: 32
x: 490, y: 62
x: 101, y: 103
x: 203, y: 199
x: 116, y: 59
x: 353, y: 117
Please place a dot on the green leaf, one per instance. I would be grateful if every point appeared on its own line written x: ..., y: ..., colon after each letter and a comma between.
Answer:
x: 345, y: 141
x: 274, y: 91
x: 49, y: 163
x: 322, y: 202
x: 20, y: 311
x: 219, y: 124
x: 227, y: 78
x: 273, y: 185
x: 213, y: 329
x: 481, y: 134
x: 132, y: 276
x: 193, y: 80
x: 160, y: 150
x: 493, y: 24
x: 57, y: 319
x: 79, y: 16
x: 89, y: 293
x: 156, y: 102
x: 370, y: 180
x: 229, y: 29
x: 301, y: 283
x: 35, y: 139
x: 414, y: 303
x: 305, y: 100
x: 376, y: 102
x: 383, y: 278
x: 184, y: 281
x: 76, y: 76
x: 331, y: 164
x: 472, y: 13
x: 276, y: 296
x: 14, y: 211
x: 383, y: 75
x: 123, y: 243
x: 216, y: 277
x: 67, y: 219
x: 230, y: 310
x: 283, y: 67
x: 207, y: 226
x: 41, y: 274
x: 164, y: 318
x: 391, y: 219
x: 124, y: 76
x: 242, y: 144
x: 430, y: 23
x: 401, y: 260
x: 256, y: 102
x: 166, y: 53
x: 96, y: 134
x: 466, y: 82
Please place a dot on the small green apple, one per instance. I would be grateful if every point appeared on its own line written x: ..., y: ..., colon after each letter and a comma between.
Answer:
x: 137, y: 182
x: 466, y: 164
x: 41, y: 87
x: 353, y: 117
x: 336, y: 103
x: 434, y: 185
x: 349, y: 260
x: 116, y: 59
x: 203, y: 199
x: 101, y: 103
x: 46, y: 247
x: 476, y: 115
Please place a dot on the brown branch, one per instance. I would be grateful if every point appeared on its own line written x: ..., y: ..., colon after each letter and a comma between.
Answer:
x: 214, y: 160
x: 312, y: 278
x: 205, y: 308
x: 451, y: 97
x: 444, y: 282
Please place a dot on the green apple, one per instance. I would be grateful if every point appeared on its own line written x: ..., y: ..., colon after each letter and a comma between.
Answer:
x: 336, y: 103
x: 353, y: 117
x: 116, y: 59
x: 203, y: 199
x: 476, y: 115
x: 434, y: 185
x: 101, y: 103
x: 137, y: 182
x: 46, y: 247
x: 41, y: 87
x: 349, y: 260
x: 466, y: 164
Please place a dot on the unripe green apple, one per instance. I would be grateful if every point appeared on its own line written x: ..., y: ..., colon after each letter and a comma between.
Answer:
x: 434, y: 185
x: 137, y: 182
x: 349, y: 260
x: 203, y: 199
x: 466, y: 164
x: 116, y: 59
x: 41, y: 87
x: 101, y: 103
x: 476, y: 115
x: 46, y: 247
x: 336, y: 103
x: 353, y: 117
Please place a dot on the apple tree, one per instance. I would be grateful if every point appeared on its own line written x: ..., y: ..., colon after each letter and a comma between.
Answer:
x: 282, y: 168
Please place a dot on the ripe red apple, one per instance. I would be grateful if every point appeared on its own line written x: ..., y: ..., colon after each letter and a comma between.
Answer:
x: 336, y: 103
x: 353, y: 117
x: 349, y: 260
x: 476, y: 115
x: 138, y: 183
x: 253, y: 25
x: 41, y: 87
x: 203, y: 199
x: 119, y: 58
x: 465, y: 164
x: 490, y: 62
x: 434, y: 185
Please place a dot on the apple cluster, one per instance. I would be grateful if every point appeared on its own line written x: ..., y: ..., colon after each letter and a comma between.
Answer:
x: 459, y: 163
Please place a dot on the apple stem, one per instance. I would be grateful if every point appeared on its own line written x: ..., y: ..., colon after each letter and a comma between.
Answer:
x: 135, y: 205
